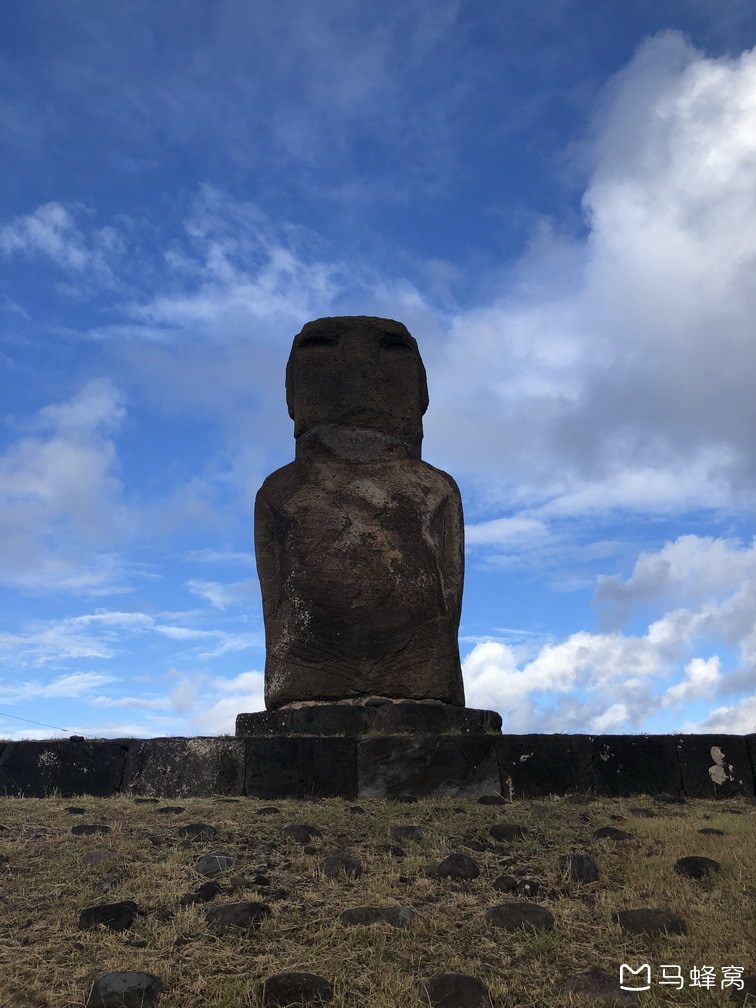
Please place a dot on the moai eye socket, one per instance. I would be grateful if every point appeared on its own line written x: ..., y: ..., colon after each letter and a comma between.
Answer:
x: 318, y: 338
x: 394, y: 341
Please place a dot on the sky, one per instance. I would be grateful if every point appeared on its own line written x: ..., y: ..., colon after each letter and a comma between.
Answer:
x: 557, y: 199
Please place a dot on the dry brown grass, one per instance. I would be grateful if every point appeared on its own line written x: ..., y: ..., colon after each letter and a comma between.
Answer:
x: 44, y: 888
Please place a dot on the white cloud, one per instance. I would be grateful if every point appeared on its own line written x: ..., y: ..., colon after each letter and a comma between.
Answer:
x: 222, y: 595
x: 621, y: 379
x: 737, y: 719
x: 702, y: 676
x: 50, y: 232
x: 61, y: 503
x: 717, y: 580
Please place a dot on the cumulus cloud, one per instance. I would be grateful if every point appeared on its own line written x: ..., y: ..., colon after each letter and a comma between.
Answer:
x: 622, y: 378
x: 717, y: 579
x: 61, y: 502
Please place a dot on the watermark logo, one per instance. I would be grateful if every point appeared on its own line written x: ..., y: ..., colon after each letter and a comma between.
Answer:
x: 703, y: 977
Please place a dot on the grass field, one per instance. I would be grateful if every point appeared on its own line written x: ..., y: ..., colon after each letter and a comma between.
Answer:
x: 46, y: 961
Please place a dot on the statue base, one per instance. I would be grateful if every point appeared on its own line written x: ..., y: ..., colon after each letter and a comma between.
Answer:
x: 374, y: 715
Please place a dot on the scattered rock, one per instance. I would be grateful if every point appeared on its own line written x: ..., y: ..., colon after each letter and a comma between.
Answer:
x: 746, y: 995
x: 229, y: 801
x: 125, y: 989
x: 75, y: 810
x: 455, y: 990
x: 713, y: 832
x: 296, y: 989
x: 354, y: 810
x: 513, y: 916
x: 87, y: 829
x: 398, y: 917
x: 505, y: 883
x: 333, y: 865
x: 582, y: 867
x: 170, y: 810
x: 203, y: 894
x: 99, y: 856
x: 458, y: 866
x: 507, y: 831
x: 245, y: 914
x: 215, y: 863
x: 650, y: 921
x: 696, y: 867
x: 144, y: 801
x: 393, y: 849
x: 269, y: 810
x: 408, y: 833
x: 613, y: 833
x: 527, y: 887
x: 601, y: 987
x: 301, y: 833
x: 116, y: 916
x: 491, y: 799
x: 645, y: 812
x: 472, y: 843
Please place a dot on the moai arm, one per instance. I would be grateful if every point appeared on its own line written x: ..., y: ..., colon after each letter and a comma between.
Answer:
x: 450, y: 537
x: 266, y: 557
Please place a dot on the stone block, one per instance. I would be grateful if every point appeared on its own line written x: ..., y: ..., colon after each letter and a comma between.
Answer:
x: 34, y: 768
x: 435, y: 719
x: 635, y: 764
x: 461, y: 766
x: 262, y: 723
x: 534, y: 765
x: 283, y: 767
x: 185, y: 767
x: 714, y: 766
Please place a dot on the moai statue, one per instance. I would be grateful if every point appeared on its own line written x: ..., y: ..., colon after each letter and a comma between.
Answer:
x: 359, y: 543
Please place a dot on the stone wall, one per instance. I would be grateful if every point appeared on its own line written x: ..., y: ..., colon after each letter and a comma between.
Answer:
x: 388, y: 766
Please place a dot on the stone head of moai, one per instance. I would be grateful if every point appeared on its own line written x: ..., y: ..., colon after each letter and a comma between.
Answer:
x: 357, y: 372
x: 359, y: 543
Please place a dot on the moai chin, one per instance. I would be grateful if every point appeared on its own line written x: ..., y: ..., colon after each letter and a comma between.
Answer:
x: 359, y: 543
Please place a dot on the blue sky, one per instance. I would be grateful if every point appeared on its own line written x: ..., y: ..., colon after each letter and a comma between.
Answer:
x: 557, y: 199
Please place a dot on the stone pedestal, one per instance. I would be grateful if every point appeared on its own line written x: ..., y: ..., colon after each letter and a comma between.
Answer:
x: 407, y: 718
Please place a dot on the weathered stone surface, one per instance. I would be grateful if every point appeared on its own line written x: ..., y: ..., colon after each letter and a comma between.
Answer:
x: 396, y: 916
x: 650, y: 921
x: 125, y: 989
x: 582, y: 867
x: 458, y: 866
x: 296, y: 989
x: 696, y: 867
x: 513, y: 916
x: 116, y: 916
x: 301, y: 767
x: 359, y: 543
x: 33, y: 769
x: 535, y: 765
x: 601, y: 987
x: 401, y: 717
x: 427, y: 766
x: 715, y: 766
x: 456, y: 990
x: 339, y: 863
x: 245, y: 914
x: 185, y: 767
x: 635, y: 764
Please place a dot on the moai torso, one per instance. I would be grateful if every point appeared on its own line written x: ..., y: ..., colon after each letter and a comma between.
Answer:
x: 359, y: 543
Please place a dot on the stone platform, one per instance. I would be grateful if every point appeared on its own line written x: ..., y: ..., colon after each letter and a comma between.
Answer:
x: 388, y: 718
x: 464, y: 765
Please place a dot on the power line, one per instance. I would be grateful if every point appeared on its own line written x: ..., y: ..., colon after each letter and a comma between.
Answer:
x: 56, y: 727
